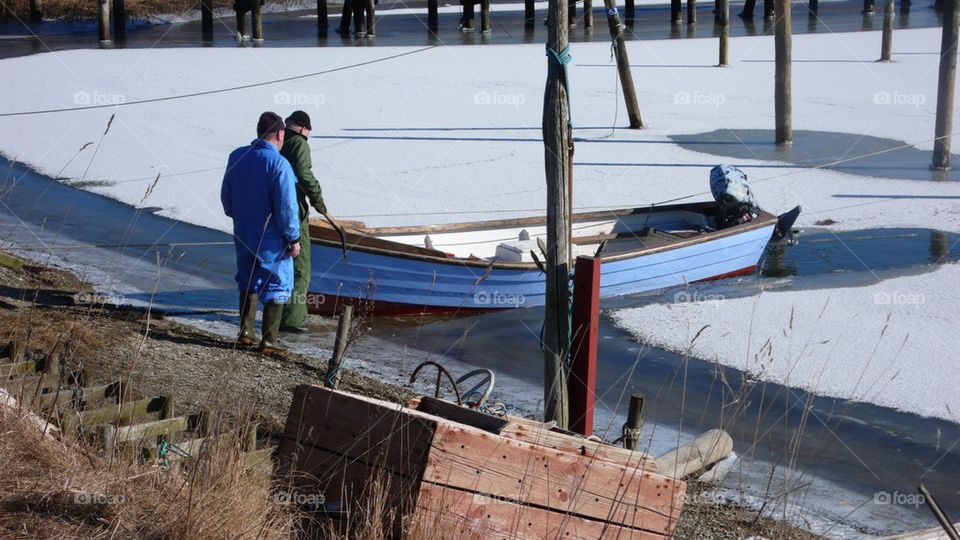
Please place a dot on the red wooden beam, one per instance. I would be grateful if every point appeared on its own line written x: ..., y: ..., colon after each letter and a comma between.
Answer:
x: 582, y: 383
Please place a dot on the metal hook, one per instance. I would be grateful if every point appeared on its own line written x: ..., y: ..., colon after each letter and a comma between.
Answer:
x: 440, y: 371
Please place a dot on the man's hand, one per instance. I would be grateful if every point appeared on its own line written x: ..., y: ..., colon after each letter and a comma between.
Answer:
x: 294, y: 250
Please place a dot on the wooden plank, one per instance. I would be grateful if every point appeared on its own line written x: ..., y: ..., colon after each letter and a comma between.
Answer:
x: 550, y: 479
x: 156, y: 428
x: 28, y: 384
x: 11, y: 262
x: 458, y: 515
x: 362, y: 428
x: 537, y: 433
x: 16, y: 369
x: 697, y: 455
x: 462, y: 415
x: 123, y: 413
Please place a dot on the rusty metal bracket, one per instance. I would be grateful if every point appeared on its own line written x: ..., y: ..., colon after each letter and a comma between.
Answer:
x: 440, y: 371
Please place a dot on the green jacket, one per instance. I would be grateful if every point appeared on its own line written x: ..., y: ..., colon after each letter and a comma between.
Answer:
x: 297, y: 151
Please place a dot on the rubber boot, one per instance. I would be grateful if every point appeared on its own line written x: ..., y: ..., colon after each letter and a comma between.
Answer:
x: 272, y: 313
x: 248, y: 319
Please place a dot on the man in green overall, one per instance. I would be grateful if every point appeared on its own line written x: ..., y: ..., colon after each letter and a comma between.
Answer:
x: 297, y: 151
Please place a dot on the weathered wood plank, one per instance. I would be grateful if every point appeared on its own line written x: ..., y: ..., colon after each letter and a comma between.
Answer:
x: 696, y: 455
x: 537, y: 433
x: 17, y: 369
x: 156, y: 428
x: 463, y: 515
x: 10, y: 261
x: 552, y: 479
x: 122, y: 413
x: 463, y: 415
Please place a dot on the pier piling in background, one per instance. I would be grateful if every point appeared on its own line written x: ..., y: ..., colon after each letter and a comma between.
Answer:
x: 676, y: 7
x: 691, y: 11
x: 529, y: 14
x: 783, y: 98
x: 484, y: 15
x: 433, y: 15
x: 945, y: 86
x: 723, y: 12
x: 466, y: 22
x: 36, y: 10
x: 623, y: 64
x: 886, y: 43
x: 257, y: 21
x: 588, y: 13
x: 119, y: 18
x: 371, y: 12
x: 103, y: 21
x: 323, y: 17
x: 206, y: 18
x: 768, y: 10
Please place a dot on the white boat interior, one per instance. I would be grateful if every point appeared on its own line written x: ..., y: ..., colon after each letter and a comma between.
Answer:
x: 514, y: 243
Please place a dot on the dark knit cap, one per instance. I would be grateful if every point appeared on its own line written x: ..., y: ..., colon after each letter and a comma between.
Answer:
x: 270, y: 122
x: 300, y: 118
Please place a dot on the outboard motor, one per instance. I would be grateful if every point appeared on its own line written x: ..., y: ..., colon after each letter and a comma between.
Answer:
x: 732, y: 193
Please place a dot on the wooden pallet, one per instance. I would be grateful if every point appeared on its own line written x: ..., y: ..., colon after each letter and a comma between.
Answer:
x: 514, y: 479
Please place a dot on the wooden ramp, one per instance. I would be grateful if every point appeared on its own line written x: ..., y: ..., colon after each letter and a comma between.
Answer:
x: 515, y: 479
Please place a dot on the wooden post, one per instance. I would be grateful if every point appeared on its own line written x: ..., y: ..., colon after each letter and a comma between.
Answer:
x: 257, y: 21
x: 691, y: 11
x: 588, y: 13
x: 242, y: 24
x: 107, y: 434
x: 814, y: 7
x: 768, y: 10
x: 945, y: 87
x: 869, y: 7
x: 886, y: 42
x: 345, y: 16
x: 119, y: 17
x: 904, y: 9
x: 586, y: 327
x: 36, y: 10
x: 724, y: 13
x: 558, y: 158
x: 782, y: 80
x: 676, y: 7
x: 572, y: 12
x: 529, y: 14
x: 323, y: 17
x: 206, y: 18
x: 634, y: 425
x: 935, y: 507
x: 103, y: 21
x: 358, y: 19
x: 433, y: 14
x: 623, y: 64
x: 484, y: 15
x: 467, y: 22
x: 631, y: 9
x: 748, y: 8
x: 371, y: 18
x: 334, y: 367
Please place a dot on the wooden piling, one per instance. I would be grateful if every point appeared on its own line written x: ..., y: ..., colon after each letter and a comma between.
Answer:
x: 768, y: 9
x: 623, y: 64
x: 371, y: 10
x: 814, y: 6
x: 345, y: 15
x: 634, y: 425
x: 433, y: 15
x: 466, y: 22
x: 334, y: 366
x: 529, y: 14
x: 869, y: 7
x: 630, y: 6
x: 241, y: 24
x: 484, y: 15
x: 691, y: 11
x: 748, y: 8
x: 103, y: 21
x: 572, y: 12
x: 257, y: 21
x: 36, y: 10
x: 588, y: 13
x: 724, y: 13
x: 886, y: 42
x: 558, y: 158
x: 323, y: 17
x: 782, y: 77
x: 586, y: 327
x: 206, y: 18
x: 945, y: 86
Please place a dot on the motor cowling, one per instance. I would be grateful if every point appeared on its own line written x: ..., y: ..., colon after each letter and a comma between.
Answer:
x: 730, y: 189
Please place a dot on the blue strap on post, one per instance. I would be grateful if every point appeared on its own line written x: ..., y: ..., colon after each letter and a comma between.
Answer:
x: 563, y: 58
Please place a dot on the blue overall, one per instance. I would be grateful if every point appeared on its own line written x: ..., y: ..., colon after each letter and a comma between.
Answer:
x: 259, y: 193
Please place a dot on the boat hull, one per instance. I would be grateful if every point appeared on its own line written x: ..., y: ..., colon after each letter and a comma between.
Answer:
x: 395, y: 284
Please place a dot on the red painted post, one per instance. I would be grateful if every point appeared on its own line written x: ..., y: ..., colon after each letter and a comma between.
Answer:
x: 582, y: 383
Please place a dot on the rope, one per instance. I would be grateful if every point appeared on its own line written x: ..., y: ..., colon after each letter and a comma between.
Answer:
x: 221, y: 90
x: 563, y: 58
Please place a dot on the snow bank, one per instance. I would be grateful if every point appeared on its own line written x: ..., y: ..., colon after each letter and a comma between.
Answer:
x: 892, y: 343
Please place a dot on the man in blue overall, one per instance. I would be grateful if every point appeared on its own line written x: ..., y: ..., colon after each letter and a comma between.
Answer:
x: 259, y: 193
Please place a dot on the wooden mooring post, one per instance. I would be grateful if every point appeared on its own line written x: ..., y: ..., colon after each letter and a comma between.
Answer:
x: 558, y: 159
x: 206, y: 18
x: 257, y: 21
x: 748, y: 7
x: 484, y: 15
x: 466, y: 22
x: 691, y: 11
x: 634, y: 426
x: 623, y: 64
x: 36, y: 10
x: 676, y: 9
x: 323, y: 17
x: 723, y: 11
x: 869, y: 7
x: 886, y: 41
x: 371, y: 12
x: 782, y: 76
x: 119, y: 18
x: 529, y: 14
x: 103, y: 21
x: 945, y: 86
x: 433, y: 15
x: 242, y: 24
x: 588, y: 13
x: 630, y: 8
x: 582, y: 383
x: 768, y: 10
x: 334, y: 367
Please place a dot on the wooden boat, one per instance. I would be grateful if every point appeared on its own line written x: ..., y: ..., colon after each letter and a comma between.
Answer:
x: 464, y: 268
